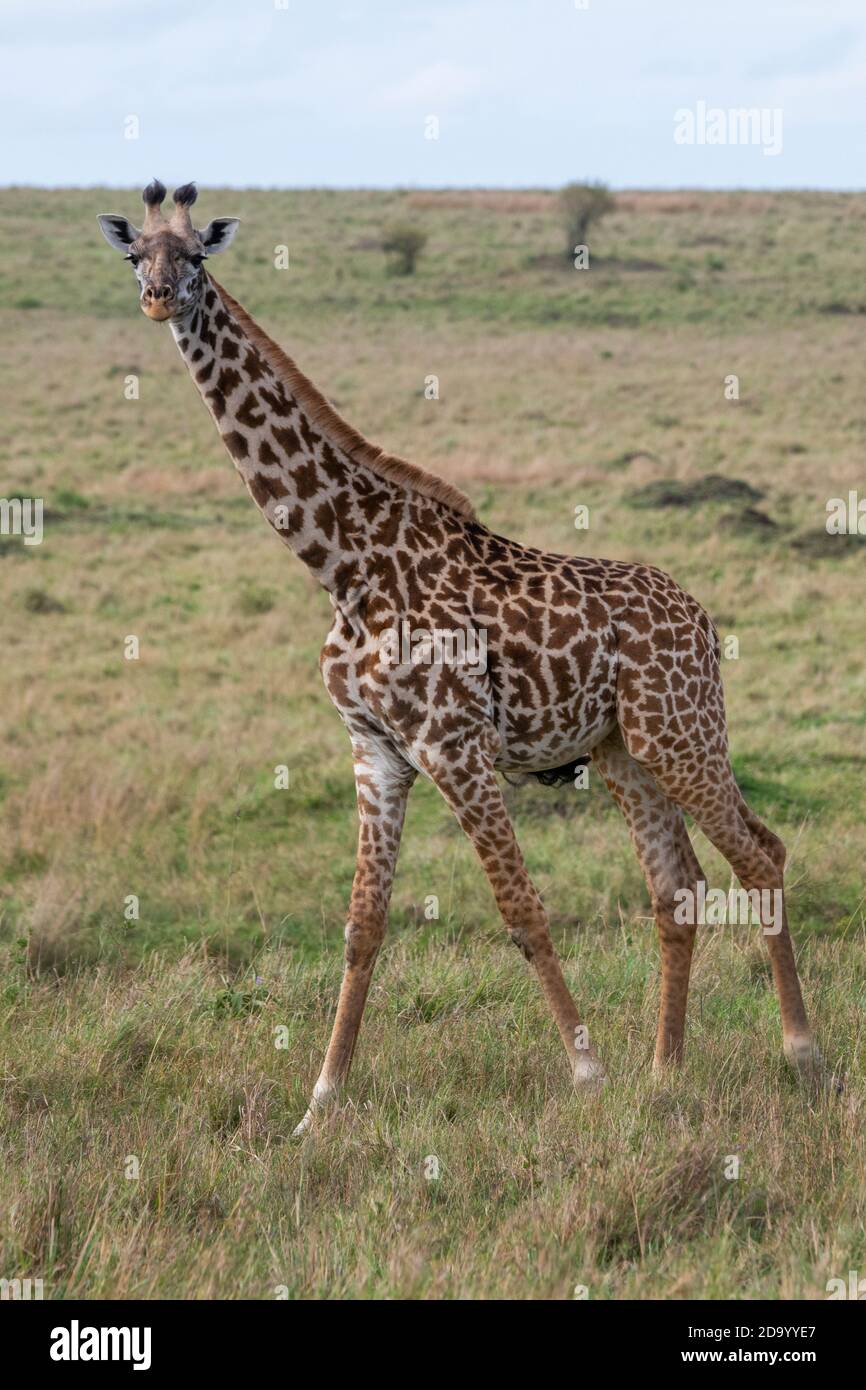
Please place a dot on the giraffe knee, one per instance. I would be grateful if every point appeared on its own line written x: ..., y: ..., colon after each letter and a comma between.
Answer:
x: 529, y: 938
x: 519, y: 937
x: 774, y: 848
x: 675, y: 911
x: 364, y: 936
x: 770, y: 843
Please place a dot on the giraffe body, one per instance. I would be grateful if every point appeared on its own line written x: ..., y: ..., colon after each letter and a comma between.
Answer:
x: 580, y: 657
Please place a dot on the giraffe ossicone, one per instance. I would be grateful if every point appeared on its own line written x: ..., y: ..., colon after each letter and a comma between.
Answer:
x: 585, y: 658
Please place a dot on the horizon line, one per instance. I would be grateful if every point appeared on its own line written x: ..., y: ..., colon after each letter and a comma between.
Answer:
x: 438, y: 188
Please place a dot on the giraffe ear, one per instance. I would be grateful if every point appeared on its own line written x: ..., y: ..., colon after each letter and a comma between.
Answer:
x: 218, y: 235
x: 118, y: 231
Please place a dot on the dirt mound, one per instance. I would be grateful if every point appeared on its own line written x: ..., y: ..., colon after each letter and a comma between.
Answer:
x: 713, y: 487
x: 820, y: 545
x: 750, y: 519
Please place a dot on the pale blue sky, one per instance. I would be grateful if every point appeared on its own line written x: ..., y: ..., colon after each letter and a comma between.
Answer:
x: 336, y: 92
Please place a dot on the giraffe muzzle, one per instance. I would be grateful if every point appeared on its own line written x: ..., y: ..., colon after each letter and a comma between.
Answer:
x: 158, y: 302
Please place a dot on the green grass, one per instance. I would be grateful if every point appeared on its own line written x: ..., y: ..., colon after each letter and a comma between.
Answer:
x: 154, y: 1037
x: 538, y: 1190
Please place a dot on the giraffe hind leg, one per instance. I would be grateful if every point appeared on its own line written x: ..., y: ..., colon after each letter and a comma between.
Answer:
x: 710, y: 794
x: 671, y: 712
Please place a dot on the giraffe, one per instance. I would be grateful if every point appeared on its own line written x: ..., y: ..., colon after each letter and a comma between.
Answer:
x: 585, y: 659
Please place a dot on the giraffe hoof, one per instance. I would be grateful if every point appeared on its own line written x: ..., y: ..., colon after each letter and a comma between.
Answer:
x: 665, y: 1065
x: 808, y: 1062
x: 803, y: 1055
x: 588, y: 1072
x: 305, y: 1125
x: 322, y: 1099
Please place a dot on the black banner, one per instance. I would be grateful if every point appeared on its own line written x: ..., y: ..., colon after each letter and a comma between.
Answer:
x: 84, y: 1339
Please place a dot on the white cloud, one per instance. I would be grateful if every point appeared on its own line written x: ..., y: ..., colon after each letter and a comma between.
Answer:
x: 438, y: 85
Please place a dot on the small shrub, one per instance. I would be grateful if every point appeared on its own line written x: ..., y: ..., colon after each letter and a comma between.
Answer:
x: 237, y: 1002
x: 38, y: 601
x: 403, y: 244
x: 71, y: 500
x: 582, y: 204
x: 254, y: 600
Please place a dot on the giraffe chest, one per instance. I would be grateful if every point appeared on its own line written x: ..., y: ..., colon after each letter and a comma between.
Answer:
x: 422, y: 687
x: 428, y: 688
x: 552, y: 706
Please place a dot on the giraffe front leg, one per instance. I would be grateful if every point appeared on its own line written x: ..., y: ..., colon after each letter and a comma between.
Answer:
x: 382, y: 781
x: 470, y: 787
x: 665, y: 852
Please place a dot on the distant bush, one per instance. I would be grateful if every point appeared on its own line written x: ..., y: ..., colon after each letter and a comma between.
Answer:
x: 403, y: 244
x: 583, y: 204
x: 38, y: 601
x: 69, y: 499
x: 253, y: 600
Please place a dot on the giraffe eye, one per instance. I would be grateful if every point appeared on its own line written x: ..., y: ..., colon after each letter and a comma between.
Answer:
x: 196, y: 260
x: 134, y: 259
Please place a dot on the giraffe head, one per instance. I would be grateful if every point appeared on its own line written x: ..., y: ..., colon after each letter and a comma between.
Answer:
x: 167, y: 254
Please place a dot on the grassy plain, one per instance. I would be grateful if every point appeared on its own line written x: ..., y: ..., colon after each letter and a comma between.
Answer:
x: 154, y: 1038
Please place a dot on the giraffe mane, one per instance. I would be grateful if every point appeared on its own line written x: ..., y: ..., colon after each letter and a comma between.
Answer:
x: 321, y: 412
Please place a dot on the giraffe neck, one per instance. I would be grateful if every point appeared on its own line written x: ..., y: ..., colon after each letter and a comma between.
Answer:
x: 321, y: 501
